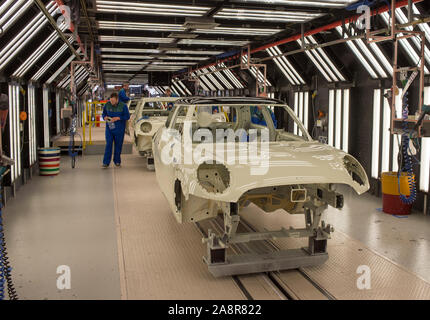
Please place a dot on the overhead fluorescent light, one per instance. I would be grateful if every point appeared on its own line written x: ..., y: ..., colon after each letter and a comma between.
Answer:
x: 231, y: 76
x: 168, y: 46
x: 310, y: 3
x: 129, y: 25
x: 201, y: 83
x: 182, y: 35
x: 316, y: 63
x: 327, y: 60
x: 24, y: 36
x: 266, y: 15
x: 345, y: 116
x: 200, y: 23
x: 206, y: 80
x: 386, y: 121
x: 306, y: 110
x: 214, y: 42
x: 358, y: 54
x: 338, y: 119
x: 150, y: 8
x: 221, y: 77
x: 64, y: 66
x: 24, y: 67
x: 281, y: 67
x: 16, y: 11
x: 331, y: 117
x: 184, y: 87
x: 137, y: 50
x: 301, y: 107
x: 239, y: 31
x: 296, y: 111
x: 371, y: 58
x: 6, y: 4
x: 134, y: 39
x: 51, y: 61
x: 288, y: 66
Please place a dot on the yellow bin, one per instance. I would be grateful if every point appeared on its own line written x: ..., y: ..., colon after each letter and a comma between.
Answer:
x: 392, y: 203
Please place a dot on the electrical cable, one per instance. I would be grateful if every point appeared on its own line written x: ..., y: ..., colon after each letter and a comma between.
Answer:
x: 5, y: 268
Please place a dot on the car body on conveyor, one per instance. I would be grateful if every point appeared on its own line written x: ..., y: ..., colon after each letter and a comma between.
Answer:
x: 217, y: 155
x: 132, y: 105
x: 149, y: 116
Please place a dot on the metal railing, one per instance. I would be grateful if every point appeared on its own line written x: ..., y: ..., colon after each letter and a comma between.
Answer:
x: 89, y: 118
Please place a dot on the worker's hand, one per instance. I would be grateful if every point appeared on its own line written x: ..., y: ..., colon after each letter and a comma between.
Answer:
x: 115, y: 119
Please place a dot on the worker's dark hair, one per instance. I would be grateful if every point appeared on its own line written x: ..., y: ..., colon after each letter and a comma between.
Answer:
x: 114, y: 95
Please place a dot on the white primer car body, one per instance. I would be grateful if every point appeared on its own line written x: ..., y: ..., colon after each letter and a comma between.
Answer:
x: 132, y: 105
x: 292, y: 161
x: 217, y: 155
x: 149, y: 116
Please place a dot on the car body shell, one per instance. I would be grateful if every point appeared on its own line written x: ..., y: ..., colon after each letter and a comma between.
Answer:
x: 304, y: 162
x: 156, y: 118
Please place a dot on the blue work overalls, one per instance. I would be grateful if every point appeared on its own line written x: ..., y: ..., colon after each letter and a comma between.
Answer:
x: 122, y: 96
x: 115, y: 131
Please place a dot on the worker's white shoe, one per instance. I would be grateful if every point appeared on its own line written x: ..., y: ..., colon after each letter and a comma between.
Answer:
x: 105, y: 166
x: 118, y: 165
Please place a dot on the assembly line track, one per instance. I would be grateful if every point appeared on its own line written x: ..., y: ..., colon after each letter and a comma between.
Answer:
x: 267, y: 285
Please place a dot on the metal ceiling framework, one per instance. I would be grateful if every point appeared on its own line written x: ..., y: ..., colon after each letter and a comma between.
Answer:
x: 311, y: 46
x: 371, y: 56
x: 125, y: 28
x: 129, y: 33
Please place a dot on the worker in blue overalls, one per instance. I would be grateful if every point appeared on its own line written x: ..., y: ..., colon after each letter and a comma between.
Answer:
x: 123, y: 93
x: 258, y: 118
x: 169, y: 93
x: 116, y: 114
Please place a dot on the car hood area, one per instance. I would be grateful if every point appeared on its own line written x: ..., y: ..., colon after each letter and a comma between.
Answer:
x: 282, y: 163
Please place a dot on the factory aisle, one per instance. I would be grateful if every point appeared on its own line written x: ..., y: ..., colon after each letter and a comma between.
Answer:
x: 405, y: 240
x: 160, y: 259
x: 65, y: 220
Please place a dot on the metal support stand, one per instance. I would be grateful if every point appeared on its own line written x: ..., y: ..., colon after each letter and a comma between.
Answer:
x: 150, y: 163
x: 221, y: 264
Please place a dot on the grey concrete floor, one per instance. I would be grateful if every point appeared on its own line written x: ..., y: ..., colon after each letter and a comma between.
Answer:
x: 403, y: 240
x: 65, y: 220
